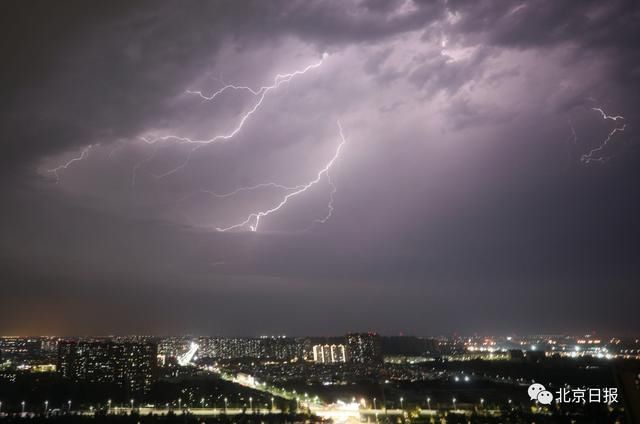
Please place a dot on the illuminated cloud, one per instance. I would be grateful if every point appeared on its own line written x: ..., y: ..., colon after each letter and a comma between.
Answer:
x: 461, y: 188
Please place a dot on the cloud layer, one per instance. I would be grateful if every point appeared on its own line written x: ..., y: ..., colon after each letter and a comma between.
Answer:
x: 461, y: 203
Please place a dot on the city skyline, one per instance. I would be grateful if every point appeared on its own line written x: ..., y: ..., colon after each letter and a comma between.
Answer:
x: 345, y: 379
x: 320, y: 336
x: 247, y: 168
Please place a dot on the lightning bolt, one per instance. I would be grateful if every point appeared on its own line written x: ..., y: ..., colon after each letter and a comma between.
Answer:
x: 253, y: 220
x: 277, y: 81
x: 330, y: 208
x: 82, y: 156
x: 605, y: 116
x: 591, y: 156
x: 240, y: 190
x: 261, y: 93
x: 251, y: 188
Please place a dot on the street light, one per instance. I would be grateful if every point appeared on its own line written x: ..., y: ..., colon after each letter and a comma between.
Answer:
x: 251, y: 404
x: 401, y: 403
x: 46, y: 406
x: 69, y: 405
x: 481, y: 402
x: 23, y: 404
x: 374, y: 404
x: 202, y: 403
x: 454, y: 404
x: 109, y: 406
x: 272, y: 403
x: 180, y: 404
x: 429, y: 403
x: 131, y: 405
x: 226, y: 403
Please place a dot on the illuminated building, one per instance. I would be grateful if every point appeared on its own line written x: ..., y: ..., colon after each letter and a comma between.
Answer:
x: 20, y: 347
x: 272, y: 348
x: 364, y: 348
x: 129, y: 365
x: 172, y: 347
x: 326, y: 353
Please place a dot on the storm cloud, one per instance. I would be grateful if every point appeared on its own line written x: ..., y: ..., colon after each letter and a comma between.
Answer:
x: 461, y: 203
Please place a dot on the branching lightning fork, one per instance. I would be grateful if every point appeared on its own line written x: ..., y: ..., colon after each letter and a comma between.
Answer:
x: 593, y: 154
x: 240, y: 190
x: 330, y: 208
x: 83, y: 155
x: 261, y: 93
x: 253, y: 220
x: 605, y: 116
x: 251, y: 188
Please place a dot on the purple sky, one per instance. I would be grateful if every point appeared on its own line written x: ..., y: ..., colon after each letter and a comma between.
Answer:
x: 463, y: 200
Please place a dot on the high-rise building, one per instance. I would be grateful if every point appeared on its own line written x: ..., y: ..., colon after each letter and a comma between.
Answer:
x: 329, y: 354
x: 272, y: 348
x: 280, y: 348
x: 228, y: 348
x: 130, y: 365
x: 364, y: 348
x: 20, y: 347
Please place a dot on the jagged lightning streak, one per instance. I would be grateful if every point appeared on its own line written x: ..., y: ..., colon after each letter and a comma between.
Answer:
x: 605, y: 116
x: 260, y: 93
x: 251, y: 188
x: 240, y: 190
x: 277, y: 81
x: 330, y: 208
x: 253, y: 220
x: 590, y: 156
x: 83, y: 155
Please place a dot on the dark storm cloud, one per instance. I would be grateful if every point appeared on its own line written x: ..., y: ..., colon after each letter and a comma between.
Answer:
x: 100, y: 73
x: 91, y: 73
x: 456, y: 194
x: 543, y: 23
x: 436, y: 72
x: 609, y: 29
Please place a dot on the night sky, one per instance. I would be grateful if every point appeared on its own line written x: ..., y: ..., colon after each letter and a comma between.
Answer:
x: 464, y: 198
